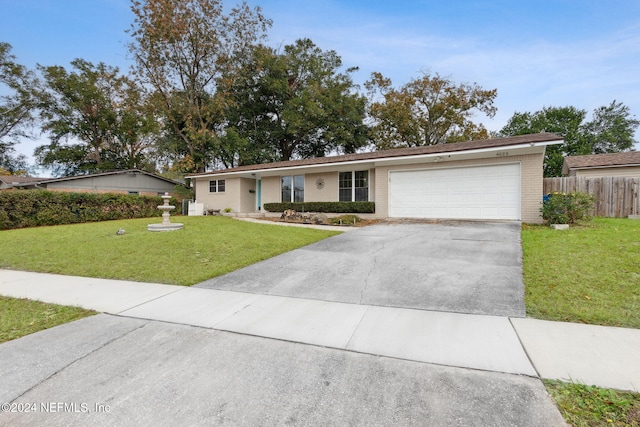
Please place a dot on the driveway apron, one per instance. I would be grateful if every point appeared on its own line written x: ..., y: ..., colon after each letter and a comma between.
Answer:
x: 469, y: 267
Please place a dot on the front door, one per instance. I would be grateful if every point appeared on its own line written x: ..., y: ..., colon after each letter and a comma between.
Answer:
x: 259, y: 194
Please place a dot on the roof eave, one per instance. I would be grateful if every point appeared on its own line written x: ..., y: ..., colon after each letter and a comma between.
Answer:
x: 380, y: 161
x: 101, y: 174
x: 627, y: 165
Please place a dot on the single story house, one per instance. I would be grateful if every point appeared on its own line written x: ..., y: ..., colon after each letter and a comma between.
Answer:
x: 13, y: 181
x: 130, y: 181
x: 598, y: 165
x: 494, y: 179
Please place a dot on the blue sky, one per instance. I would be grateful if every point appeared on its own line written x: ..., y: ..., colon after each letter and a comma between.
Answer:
x: 584, y: 53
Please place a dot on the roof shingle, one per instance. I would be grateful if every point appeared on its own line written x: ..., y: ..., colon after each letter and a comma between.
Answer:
x: 398, y: 152
x: 21, y: 180
x: 599, y: 160
x: 14, y: 179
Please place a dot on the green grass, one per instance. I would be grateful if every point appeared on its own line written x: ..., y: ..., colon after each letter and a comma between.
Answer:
x: 20, y: 317
x: 587, y: 274
x: 586, y: 406
x: 205, y: 248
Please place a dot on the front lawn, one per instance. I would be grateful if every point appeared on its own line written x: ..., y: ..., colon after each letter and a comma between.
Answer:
x: 20, y: 317
x: 205, y: 248
x: 587, y: 274
x: 586, y: 406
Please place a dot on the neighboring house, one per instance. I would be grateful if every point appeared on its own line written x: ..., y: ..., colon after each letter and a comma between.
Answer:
x: 490, y: 179
x: 131, y: 181
x: 10, y: 181
x: 597, y: 165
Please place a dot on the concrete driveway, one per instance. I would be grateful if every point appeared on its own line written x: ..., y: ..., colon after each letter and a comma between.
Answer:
x: 473, y: 268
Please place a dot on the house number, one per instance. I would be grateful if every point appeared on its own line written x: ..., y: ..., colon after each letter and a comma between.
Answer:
x: 502, y: 153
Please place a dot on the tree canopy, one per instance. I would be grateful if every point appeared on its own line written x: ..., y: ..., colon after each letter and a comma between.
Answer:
x: 207, y: 91
x: 426, y: 111
x: 17, y: 104
x: 95, y: 118
x: 182, y: 49
x: 610, y: 130
x: 296, y: 103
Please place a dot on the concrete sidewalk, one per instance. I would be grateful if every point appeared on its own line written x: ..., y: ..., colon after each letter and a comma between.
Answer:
x: 114, y: 370
x: 593, y: 355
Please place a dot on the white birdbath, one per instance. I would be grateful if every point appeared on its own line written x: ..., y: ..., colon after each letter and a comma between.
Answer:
x: 166, y: 224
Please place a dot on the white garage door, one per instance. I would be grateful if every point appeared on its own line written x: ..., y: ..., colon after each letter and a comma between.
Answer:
x: 478, y: 192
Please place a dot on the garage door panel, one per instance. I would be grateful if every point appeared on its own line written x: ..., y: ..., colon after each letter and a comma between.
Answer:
x: 478, y: 192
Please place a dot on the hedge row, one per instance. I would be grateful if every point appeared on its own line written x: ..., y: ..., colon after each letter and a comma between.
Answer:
x: 327, y: 207
x: 26, y: 208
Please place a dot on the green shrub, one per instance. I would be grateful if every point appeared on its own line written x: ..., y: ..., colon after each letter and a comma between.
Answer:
x: 26, y: 208
x: 561, y: 208
x: 5, y: 222
x: 326, y: 207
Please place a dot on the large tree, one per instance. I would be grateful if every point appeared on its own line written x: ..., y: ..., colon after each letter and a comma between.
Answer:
x: 17, y: 105
x: 182, y: 49
x: 610, y: 130
x: 295, y: 103
x: 12, y: 163
x: 95, y: 118
x: 426, y: 111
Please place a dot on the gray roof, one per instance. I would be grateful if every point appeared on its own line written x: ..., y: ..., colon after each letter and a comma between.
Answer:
x: 14, y: 179
x: 34, y: 182
x: 630, y: 158
x: 398, y: 152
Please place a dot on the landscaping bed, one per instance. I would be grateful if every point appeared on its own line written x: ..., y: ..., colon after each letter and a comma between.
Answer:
x: 318, y: 218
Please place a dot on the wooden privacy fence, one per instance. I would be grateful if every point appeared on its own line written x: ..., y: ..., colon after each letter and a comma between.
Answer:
x: 614, y: 196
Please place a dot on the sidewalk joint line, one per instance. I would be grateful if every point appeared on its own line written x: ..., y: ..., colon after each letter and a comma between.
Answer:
x: 524, y: 348
x: 152, y: 299
x: 346, y: 347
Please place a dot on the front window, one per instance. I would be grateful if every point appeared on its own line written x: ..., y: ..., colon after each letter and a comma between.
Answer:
x: 361, y: 190
x: 286, y: 188
x: 298, y: 188
x: 216, y: 186
x: 353, y: 186
x: 292, y: 188
x: 346, y: 186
